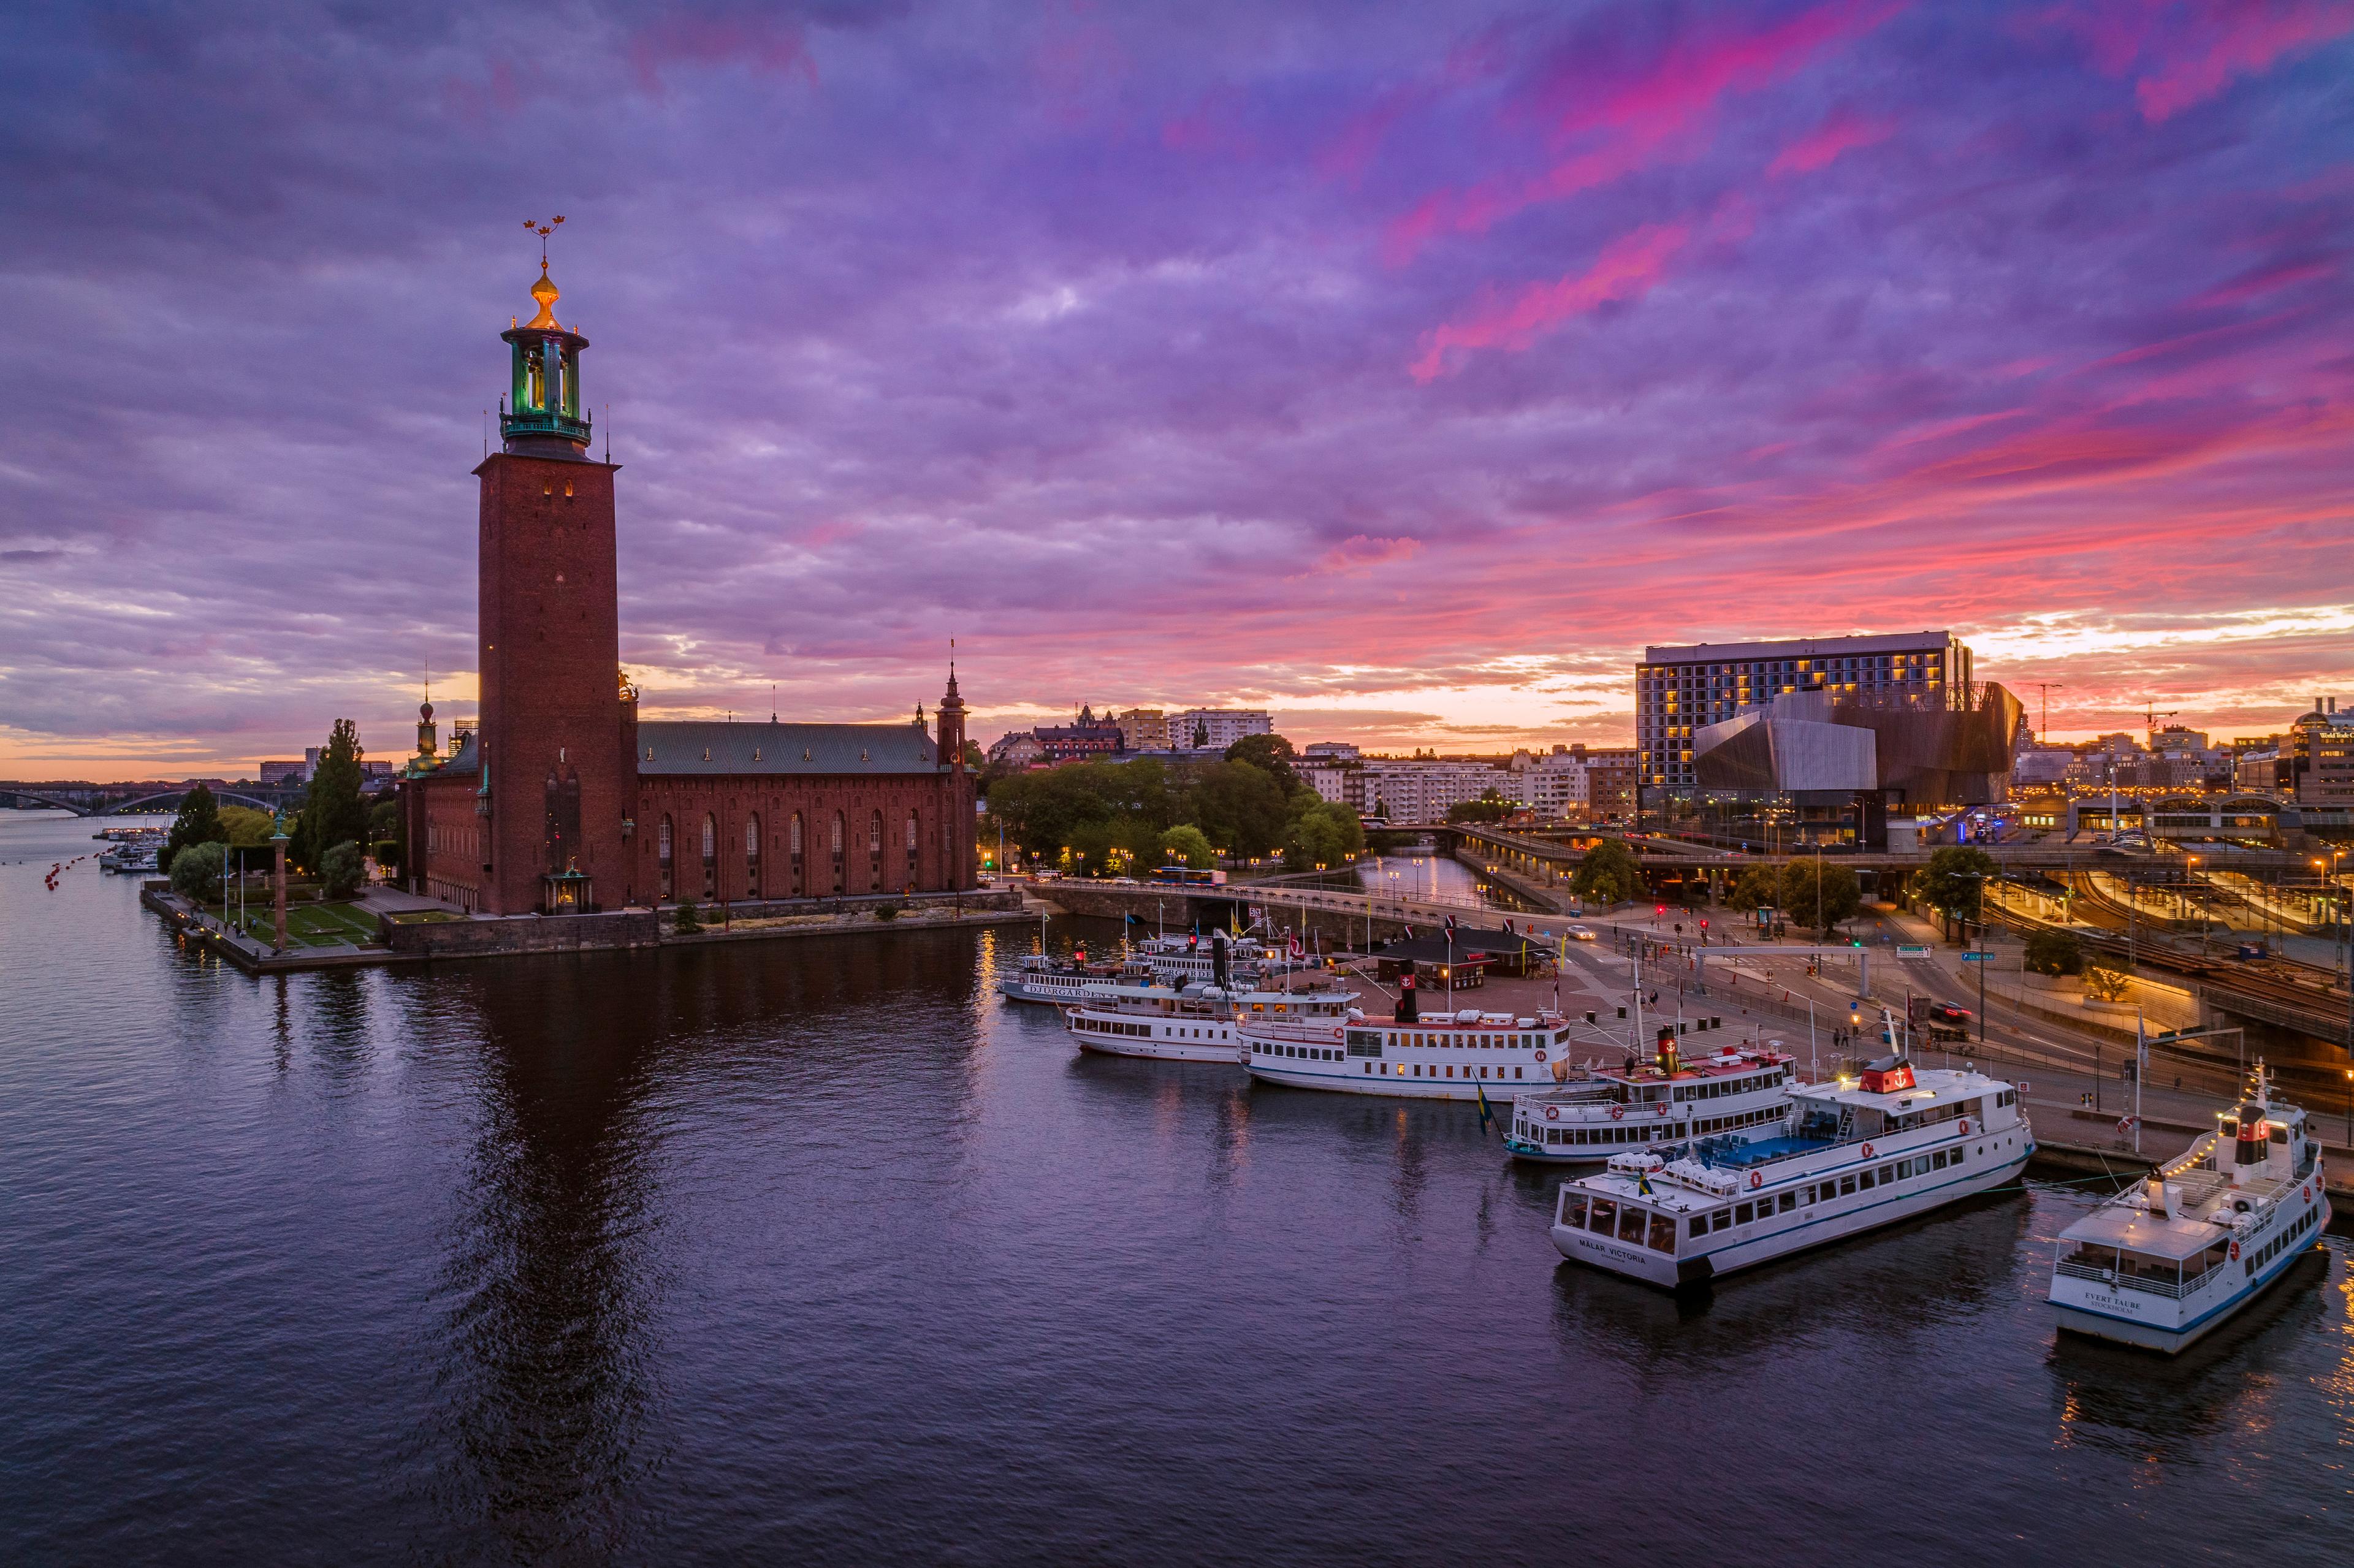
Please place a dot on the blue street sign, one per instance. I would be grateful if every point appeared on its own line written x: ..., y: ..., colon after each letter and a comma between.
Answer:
x: 1976, y: 958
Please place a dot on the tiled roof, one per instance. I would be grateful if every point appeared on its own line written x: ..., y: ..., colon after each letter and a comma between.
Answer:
x: 712, y: 746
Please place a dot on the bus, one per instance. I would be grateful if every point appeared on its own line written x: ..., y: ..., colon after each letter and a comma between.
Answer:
x: 1186, y: 876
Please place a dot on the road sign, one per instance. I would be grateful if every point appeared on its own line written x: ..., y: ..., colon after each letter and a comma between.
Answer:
x: 1976, y: 958
x: 1912, y: 952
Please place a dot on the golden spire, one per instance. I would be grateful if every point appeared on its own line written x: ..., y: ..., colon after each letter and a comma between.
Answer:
x: 545, y: 290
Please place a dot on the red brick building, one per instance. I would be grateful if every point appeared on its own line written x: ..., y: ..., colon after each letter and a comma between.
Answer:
x: 563, y: 800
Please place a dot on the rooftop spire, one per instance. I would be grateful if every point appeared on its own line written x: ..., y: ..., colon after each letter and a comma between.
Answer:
x: 544, y: 415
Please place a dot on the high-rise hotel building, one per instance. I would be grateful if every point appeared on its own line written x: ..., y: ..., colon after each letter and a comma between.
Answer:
x: 1679, y: 690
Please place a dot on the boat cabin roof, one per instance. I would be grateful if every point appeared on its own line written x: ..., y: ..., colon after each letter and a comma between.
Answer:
x: 1706, y: 1068
x: 2132, y: 1226
x: 1931, y: 1087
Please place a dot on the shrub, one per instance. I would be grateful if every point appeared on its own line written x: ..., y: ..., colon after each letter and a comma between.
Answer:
x: 2054, y: 953
x: 340, y: 871
x: 690, y: 919
x: 886, y: 912
x: 196, y: 871
x: 2104, y: 984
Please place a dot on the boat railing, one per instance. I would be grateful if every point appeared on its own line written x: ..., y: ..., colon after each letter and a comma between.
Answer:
x: 2126, y: 1279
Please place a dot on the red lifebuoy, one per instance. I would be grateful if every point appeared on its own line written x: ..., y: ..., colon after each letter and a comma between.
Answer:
x: 1540, y: 1056
x: 1966, y: 1127
x: 1617, y: 1111
x: 2235, y: 1252
x: 1663, y: 1108
x: 1867, y: 1151
x: 1339, y: 1032
x: 1756, y: 1179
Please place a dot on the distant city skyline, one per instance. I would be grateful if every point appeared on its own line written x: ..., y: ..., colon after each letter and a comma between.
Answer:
x: 1402, y: 372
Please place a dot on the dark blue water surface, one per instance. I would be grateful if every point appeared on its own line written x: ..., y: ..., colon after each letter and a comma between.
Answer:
x: 814, y: 1251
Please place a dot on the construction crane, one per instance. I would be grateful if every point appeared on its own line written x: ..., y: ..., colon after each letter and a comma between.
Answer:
x: 2151, y: 715
x: 2043, y: 733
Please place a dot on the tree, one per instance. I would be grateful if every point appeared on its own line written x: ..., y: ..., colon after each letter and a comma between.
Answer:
x: 1185, y: 844
x: 689, y: 918
x: 1324, y: 833
x: 1491, y: 807
x: 196, y: 871
x: 1821, y: 901
x: 2104, y: 984
x: 1268, y: 754
x: 246, y: 827
x: 199, y: 823
x: 1201, y: 735
x: 388, y: 835
x: 1954, y: 880
x: 332, y: 813
x: 2054, y: 952
x: 341, y: 870
x: 1758, y: 887
x: 1242, y: 809
x: 1608, y: 874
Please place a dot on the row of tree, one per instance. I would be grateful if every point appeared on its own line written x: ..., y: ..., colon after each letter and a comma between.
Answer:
x: 1103, y: 815
x: 324, y: 842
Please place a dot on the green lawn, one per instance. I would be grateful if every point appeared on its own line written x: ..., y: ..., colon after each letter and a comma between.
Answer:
x: 314, y: 925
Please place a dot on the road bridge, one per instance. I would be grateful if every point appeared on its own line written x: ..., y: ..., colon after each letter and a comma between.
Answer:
x: 85, y: 799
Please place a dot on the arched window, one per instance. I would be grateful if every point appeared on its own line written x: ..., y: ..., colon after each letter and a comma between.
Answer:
x: 752, y: 856
x: 797, y: 835
x: 662, y: 854
x: 911, y: 836
x: 710, y: 855
x: 837, y: 852
x: 874, y: 834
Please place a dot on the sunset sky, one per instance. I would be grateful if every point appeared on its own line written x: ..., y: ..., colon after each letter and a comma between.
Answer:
x: 1401, y: 370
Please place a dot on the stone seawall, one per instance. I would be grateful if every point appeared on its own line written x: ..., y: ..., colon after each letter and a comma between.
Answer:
x: 522, y: 934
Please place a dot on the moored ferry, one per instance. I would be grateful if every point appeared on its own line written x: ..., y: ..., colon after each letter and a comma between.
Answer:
x: 1457, y: 1056
x: 2165, y: 1263
x: 1190, y: 1023
x: 1594, y: 1113
x: 1040, y: 977
x: 1852, y: 1156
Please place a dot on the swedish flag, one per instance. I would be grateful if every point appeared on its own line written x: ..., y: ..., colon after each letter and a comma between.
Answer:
x: 1643, y: 1183
x: 1486, y: 1116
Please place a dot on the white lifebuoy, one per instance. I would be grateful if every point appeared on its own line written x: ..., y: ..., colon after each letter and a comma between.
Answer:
x: 1966, y: 1127
x: 1867, y: 1151
x: 1553, y: 1113
x: 1616, y: 1112
x: 1756, y: 1179
x: 1338, y: 1032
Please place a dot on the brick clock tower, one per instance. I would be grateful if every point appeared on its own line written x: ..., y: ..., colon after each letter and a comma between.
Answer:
x: 558, y: 776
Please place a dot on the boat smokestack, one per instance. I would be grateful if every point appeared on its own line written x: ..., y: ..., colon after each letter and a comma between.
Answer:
x: 1667, y: 1051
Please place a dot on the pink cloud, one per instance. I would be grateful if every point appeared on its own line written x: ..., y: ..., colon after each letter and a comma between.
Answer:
x: 2268, y: 280
x: 1662, y: 115
x: 1843, y: 132
x: 1626, y: 270
x: 1361, y: 552
x: 762, y: 45
x: 2238, y: 41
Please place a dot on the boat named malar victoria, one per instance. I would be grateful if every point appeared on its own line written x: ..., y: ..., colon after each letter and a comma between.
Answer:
x: 1850, y: 1157
x: 2163, y: 1263
x: 1593, y: 1113
x: 1316, y: 1040
x: 1192, y: 1023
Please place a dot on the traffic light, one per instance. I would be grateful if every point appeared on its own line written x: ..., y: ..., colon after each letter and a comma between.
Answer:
x: 1704, y: 925
x: 1660, y: 909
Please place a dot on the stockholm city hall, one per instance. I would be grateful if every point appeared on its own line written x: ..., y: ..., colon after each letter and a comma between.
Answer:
x: 562, y: 800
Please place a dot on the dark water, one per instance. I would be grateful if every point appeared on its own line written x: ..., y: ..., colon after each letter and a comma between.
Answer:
x: 815, y: 1252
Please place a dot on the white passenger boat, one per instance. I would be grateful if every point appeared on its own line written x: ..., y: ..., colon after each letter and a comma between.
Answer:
x: 1852, y: 1156
x: 1038, y: 977
x: 1176, y: 959
x: 131, y: 856
x: 1594, y: 1113
x: 1311, y: 1041
x: 2170, y: 1261
x: 1192, y: 1023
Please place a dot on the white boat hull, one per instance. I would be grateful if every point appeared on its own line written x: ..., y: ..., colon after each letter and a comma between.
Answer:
x: 1160, y: 1049
x: 1749, y: 1246
x: 1300, y: 1074
x: 2104, y: 1311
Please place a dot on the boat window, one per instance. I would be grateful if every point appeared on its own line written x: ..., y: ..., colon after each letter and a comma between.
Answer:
x: 1573, y: 1208
x: 1863, y: 1180
x: 1787, y: 1202
x: 1606, y: 1216
x: 1721, y: 1220
x: 1847, y: 1186
x: 2143, y: 1266
x: 1663, y: 1233
x: 2280, y: 1134
x: 1743, y: 1212
x: 1887, y: 1174
x: 2091, y: 1254
x: 2230, y: 1127
x: 1631, y: 1225
x: 1700, y: 1224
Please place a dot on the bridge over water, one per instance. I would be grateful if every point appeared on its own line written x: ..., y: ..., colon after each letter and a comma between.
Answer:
x: 86, y: 799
